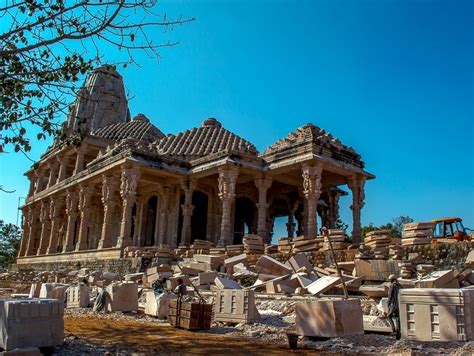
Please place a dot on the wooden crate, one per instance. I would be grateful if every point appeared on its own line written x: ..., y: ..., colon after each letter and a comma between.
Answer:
x: 190, y: 316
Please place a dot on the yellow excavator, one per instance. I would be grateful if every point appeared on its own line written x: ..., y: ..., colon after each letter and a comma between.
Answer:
x: 451, y: 228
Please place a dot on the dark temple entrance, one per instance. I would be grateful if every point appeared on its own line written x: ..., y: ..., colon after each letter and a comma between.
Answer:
x: 243, y: 219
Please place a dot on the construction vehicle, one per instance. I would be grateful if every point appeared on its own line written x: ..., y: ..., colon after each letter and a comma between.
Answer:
x: 451, y: 228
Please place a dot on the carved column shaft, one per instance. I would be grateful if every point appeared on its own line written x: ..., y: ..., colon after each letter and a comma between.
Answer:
x: 53, y: 167
x: 187, y: 208
x: 128, y: 189
x: 31, y: 190
x: 164, y: 211
x: 71, y: 212
x: 79, y: 159
x: 32, y: 216
x: 45, y: 228
x: 356, y: 185
x: 26, y: 232
x: 85, y: 194
x: 312, y: 185
x: 39, y: 181
x: 262, y: 184
x: 54, y: 212
x: 108, y: 191
x: 138, y: 222
x: 226, y: 182
x: 63, y: 161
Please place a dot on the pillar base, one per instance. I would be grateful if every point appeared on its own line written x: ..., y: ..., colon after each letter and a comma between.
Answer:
x: 68, y: 248
x: 104, y: 244
x: 81, y: 246
x: 51, y: 250
x: 124, y: 242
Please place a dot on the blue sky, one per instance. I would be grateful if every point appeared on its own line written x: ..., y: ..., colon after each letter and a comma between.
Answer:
x: 393, y: 79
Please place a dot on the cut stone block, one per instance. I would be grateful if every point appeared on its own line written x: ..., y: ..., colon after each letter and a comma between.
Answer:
x: 437, y: 279
x: 123, y: 297
x: 25, y: 351
x: 53, y: 291
x: 236, y: 306
x: 158, y: 305
x: 376, y: 270
x: 323, y: 284
x: 229, y: 263
x: 213, y: 261
x: 299, y: 261
x: 428, y: 314
x: 206, y: 278
x: 329, y: 318
x: 470, y: 259
x: 157, y: 269
x: 268, y: 265
x: 78, y: 296
x: 31, y: 323
x: 224, y: 283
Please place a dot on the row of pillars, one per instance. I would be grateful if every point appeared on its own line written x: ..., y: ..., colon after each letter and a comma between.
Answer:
x: 77, y: 205
x: 57, y: 167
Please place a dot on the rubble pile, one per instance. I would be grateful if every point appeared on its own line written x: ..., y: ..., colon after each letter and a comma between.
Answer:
x: 249, y: 282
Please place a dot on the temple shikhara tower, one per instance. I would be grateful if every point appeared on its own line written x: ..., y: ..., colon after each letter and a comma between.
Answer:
x: 129, y: 184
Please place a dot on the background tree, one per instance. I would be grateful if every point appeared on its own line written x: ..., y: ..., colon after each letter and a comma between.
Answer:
x: 396, y: 228
x: 10, y: 236
x: 398, y: 224
x: 49, y: 46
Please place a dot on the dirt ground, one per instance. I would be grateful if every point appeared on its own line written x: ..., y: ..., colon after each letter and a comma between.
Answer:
x: 101, y: 333
x: 126, y: 334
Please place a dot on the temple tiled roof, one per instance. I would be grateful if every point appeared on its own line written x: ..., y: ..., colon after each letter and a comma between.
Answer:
x: 310, y: 134
x: 139, y: 128
x: 208, y: 139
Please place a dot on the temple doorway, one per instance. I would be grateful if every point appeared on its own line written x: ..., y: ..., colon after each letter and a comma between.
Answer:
x: 199, y: 218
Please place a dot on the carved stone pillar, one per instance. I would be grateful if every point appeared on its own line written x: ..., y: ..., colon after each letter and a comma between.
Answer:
x: 32, y: 179
x: 356, y: 185
x: 164, y: 211
x: 85, y: 194
x: 26, y: 231
x: 55, y: 206
x: 53, y: 170
x: 32, y: 222
x: 63, y: 161
x: 128, y: 190
x: 262, y: 184
x: 333, y: 210
x: 187, y: 208
x: 79, y: 159
x: 138, y: 222
x: 71, y: 213
x: 45, y: 228
x: 312, y: 190
x: 39, y: 181
x: 290, y: 226
x: 108, y: 192
x: 226, y: 182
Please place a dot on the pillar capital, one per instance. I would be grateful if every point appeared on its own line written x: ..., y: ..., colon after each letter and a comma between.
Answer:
x: 108, y: 188
x: 85, y: 193
x: 312, y: 176
x: 263, y: 183
x: 226, y: 182
x: 129, y: 181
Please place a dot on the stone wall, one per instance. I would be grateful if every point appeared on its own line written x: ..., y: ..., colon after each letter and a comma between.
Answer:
x: 121, y: 265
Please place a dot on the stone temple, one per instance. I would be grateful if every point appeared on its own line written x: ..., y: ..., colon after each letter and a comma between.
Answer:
x: 129, y: 184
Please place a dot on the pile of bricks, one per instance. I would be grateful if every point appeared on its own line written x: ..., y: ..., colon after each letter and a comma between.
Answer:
x: 417, y: 233
x: 253, y: 244
x: 338, y: 239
